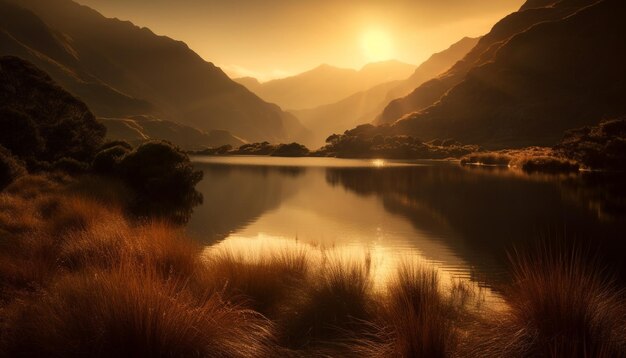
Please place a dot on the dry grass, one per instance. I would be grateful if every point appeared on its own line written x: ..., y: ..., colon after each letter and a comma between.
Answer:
x: 487, y: 158
x: 560, y: 305
x: 530, y: 160
x: 131, y: 311
x: 77, y: 278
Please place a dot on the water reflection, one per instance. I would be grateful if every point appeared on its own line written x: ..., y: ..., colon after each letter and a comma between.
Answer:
x: 463, y: 220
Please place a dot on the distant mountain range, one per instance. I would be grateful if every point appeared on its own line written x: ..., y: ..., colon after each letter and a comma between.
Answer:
x: 364, y: 106
x: 547, y: 68
x: 122, y: 70
x: 326, y: 84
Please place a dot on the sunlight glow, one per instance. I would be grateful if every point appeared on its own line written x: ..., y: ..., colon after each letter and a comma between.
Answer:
x: 378, y: 163
x: 377, y: 45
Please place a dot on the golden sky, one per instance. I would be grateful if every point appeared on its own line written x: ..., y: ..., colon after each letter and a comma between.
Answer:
x: 274, y: 38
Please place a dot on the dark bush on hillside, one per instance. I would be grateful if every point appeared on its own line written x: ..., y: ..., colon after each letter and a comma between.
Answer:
x: 163, y: 179
x: 599, y: 147
x: 10, y: 168
x: 222, y: 150
x: 64, y: 123
x: 263, y: 148
x: 107, y: 161
x: 291, y: 150
x: 19, y: 134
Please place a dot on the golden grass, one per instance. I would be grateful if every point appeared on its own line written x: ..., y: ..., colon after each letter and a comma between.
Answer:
x: 131, y: 311
x: 560, y: 305
x: 530, y: 160
x: 77, y: 278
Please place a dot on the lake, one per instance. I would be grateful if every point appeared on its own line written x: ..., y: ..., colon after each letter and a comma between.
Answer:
x: 463, y: 220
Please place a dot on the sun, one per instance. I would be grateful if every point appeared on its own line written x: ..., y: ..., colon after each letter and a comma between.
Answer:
x: 377, y: 45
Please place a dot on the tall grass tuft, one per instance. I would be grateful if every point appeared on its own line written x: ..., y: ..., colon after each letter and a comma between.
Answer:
x: 560, y: 305
x: 131, y: 311
x: 419, y: 318
x: 335, y: 306
x: 261, y: 282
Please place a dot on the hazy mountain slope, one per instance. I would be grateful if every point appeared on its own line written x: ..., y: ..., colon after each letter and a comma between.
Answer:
x: 431, y: 91
x: 138, y: 129
x: 23, y: 34
x: 139, y: 64
x: 555, y: 76
x: 434, y: 66
x: 327, y: 84
x: 364, y: 106
x: 250, y: 83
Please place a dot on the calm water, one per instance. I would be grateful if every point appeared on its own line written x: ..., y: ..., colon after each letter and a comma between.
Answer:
x: 463, y: 220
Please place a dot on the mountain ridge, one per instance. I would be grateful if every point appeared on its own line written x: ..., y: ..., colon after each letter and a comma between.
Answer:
x: 109, y: 62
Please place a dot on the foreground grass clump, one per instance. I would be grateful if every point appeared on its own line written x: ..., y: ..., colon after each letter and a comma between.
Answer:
x: 421, y: 318
x: 79, y: 278
x: 132, y: 311
x: 559, y: 305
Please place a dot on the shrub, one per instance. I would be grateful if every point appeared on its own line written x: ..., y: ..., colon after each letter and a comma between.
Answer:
x: 19, y: 134
x: 291, y: 150
x: 107, y: 161
x: 163, y: 179
x: 548, y: 165
x: 599, y: 147
x: 66, y: 126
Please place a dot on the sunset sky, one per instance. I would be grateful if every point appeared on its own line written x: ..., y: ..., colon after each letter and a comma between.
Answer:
x: 274, y: 38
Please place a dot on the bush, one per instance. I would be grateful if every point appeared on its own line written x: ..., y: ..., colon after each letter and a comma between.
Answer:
x: 290, y: 150
x: 163, y: 179
x: 19, y: 134
x: 107, y: 161
x: 39, y: 107
x: 599, y: 147
x: 10, y: 168
x: 548, y: 165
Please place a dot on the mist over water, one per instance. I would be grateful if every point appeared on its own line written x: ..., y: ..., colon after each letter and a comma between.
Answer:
x: 463, y: 220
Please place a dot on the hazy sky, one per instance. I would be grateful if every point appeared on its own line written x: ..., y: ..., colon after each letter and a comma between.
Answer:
x: 273, y: 38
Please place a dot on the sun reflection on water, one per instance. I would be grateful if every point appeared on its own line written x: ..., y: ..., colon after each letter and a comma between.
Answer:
x: 378, y: 163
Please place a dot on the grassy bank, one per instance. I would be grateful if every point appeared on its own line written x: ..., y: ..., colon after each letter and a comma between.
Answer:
x: 78, y: 278
x: 534, y: 159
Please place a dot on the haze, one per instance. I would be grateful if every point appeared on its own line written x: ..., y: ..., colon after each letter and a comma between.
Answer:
x: 276, y: 38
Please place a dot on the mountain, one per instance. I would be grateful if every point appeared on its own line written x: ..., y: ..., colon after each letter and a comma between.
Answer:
x: 364, y: 106
x: 137, y: 129
x: 250, y: 83
x: 327, y: 84
x: 562, y: 68
x: 531, y: 13
x: 555, y: 76
x: 120, y: 69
